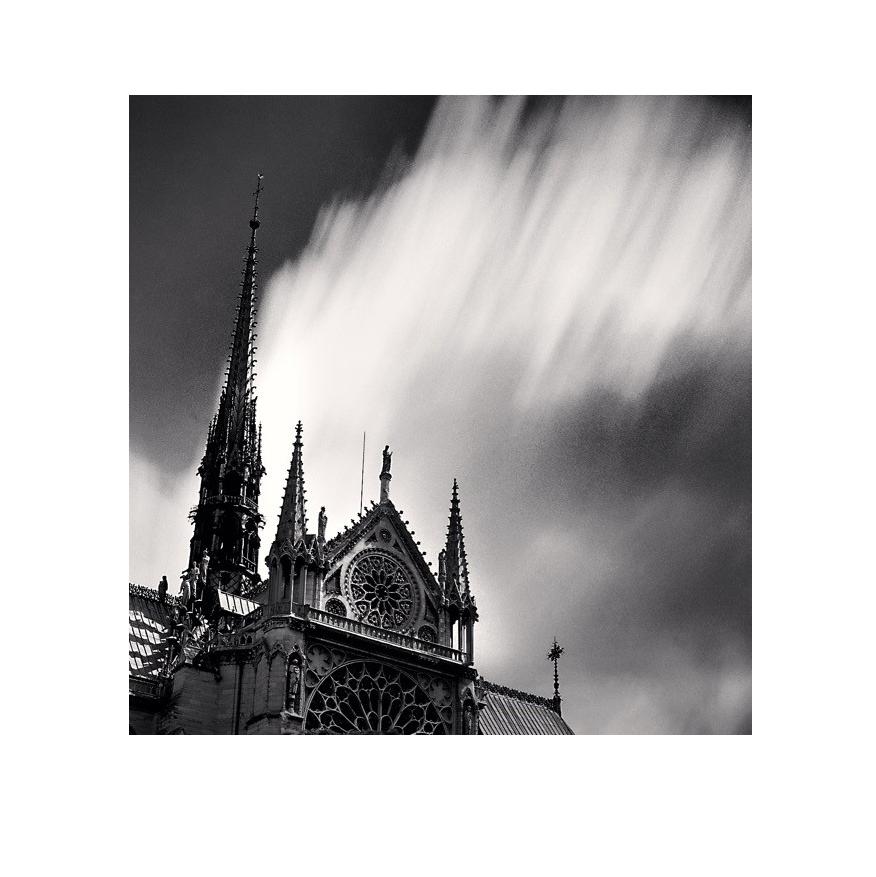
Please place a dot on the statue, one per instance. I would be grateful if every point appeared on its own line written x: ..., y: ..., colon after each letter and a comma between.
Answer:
x: 293, y: 684
x: 468, y: 719
x: 187, y: 587
x: 205, y: 563
x: 442, y: 565
x: 162, y: 589
x: 322, y: 521
x: 387, y: 461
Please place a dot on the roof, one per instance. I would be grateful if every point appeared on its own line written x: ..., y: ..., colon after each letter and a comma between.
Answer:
x: 147, y: 628
x: 507, y: 711
x: 235, y: 604
x: 148, y: 620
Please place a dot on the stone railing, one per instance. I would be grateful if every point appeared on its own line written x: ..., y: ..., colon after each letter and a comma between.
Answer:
x: 225, y: 499
x: 360, y: 628
x: 391, y: 636
x: 145, y: 687
x: 255, y: 615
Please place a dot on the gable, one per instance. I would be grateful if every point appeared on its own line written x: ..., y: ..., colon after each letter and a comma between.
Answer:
x: 368, y: 532
x: 377, y: 574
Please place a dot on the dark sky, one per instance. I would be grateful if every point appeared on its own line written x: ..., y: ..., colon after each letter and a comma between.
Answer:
x: 549, y: 299
x: 193, y: 167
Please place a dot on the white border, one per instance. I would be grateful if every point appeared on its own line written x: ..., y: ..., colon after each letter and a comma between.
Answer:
x: 783, y: 801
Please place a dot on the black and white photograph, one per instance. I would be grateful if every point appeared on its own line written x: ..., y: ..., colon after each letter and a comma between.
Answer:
x: 440, y: 415
x: 487, y: 369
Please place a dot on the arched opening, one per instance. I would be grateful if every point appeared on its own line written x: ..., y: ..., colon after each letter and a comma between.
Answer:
x: 286, y: 576
x: 231, y: 484
x: 298, y: 585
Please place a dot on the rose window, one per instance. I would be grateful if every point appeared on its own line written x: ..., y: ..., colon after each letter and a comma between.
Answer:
x: 381, y: 591
x: 371, y: 698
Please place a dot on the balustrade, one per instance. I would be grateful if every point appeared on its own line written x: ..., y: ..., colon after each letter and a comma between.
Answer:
x: 392, y: 636
x: 360, y: 628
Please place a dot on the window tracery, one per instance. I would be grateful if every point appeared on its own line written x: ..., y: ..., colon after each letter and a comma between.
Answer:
x: 381, y: 590
x: 336, y: 607
x: 426, y: 634
x: 368, y: 697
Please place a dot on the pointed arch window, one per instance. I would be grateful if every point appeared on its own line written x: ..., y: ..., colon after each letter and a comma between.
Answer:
x: 286, y: 574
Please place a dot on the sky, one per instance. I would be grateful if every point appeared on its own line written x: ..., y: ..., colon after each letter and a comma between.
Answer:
x: 549, y: 300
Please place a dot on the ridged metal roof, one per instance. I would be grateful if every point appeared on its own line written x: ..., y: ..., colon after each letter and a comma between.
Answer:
x: 514, y: 712
x: 147, y: 628
x: 235, y: 604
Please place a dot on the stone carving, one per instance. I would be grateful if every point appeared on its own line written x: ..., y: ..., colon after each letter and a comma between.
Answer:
x: 319, y: 659
x: 162, y: 589
x: 439, y: 690
x: 321, y: 524
x: 387, y: 461
x: 277, y: 648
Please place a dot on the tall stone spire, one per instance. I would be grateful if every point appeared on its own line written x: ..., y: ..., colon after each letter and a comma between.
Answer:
x: 293, y: 518
x: 297, y: 559
x: 460, y: 607
x: 455, y: 560
x: 236, y: 418
x: 227, y: 518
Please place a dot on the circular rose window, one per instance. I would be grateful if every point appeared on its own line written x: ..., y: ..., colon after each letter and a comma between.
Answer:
x: 381, y: 590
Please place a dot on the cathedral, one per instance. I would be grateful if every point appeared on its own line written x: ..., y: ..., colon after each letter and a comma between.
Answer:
x: 348, y: 634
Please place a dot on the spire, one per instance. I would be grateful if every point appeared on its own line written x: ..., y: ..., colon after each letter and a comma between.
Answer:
x: 292, y: 515
x: 227, y: 517
x: 237, y: 405
x: 455, y: 559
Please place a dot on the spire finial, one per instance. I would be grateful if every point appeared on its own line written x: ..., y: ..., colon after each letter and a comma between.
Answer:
x: 456, y: 558
x: 554, y: 655
x: 254, y: 222
x: 293, y: 519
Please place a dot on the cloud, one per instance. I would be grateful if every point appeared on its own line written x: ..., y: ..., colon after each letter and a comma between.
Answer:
x: 158, y: 524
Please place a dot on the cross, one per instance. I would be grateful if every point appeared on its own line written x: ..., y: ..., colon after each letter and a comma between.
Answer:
x: 554, y: 655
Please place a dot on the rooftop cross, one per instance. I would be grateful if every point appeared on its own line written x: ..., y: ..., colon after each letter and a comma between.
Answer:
x: 554, y: 655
